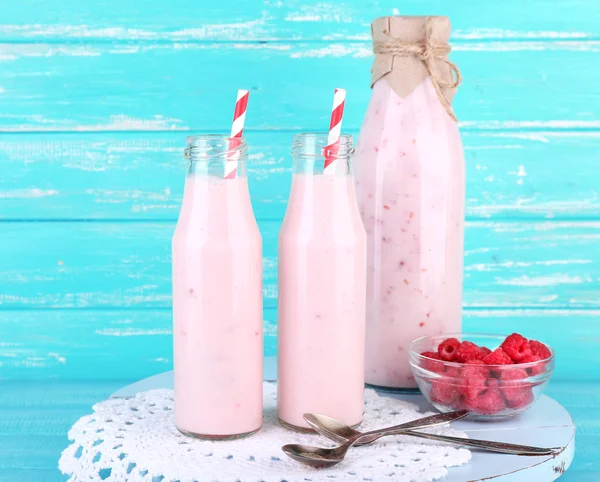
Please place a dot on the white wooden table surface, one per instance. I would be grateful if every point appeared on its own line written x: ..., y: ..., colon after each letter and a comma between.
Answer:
x: 547, y: 424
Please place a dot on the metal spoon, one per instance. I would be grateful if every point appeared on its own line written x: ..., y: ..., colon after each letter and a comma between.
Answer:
x: 324, y: 457
x: 340, y: 432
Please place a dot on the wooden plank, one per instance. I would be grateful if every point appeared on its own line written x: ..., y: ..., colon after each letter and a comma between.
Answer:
x: 40, y: 395
x: 72, y: 344
x: 134, y: 344
x: 50, y: 474
x: 583, y: 402
x: 106, y: 86
x: 111, y: 264
x: 292, y: 19
x: 40, y: 423
x: 140, y: 175
x: 35, y: 417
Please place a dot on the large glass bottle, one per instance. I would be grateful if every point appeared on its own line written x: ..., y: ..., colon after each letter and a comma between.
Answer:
x: 410, y: 184
x: 217, y: 296
x: 322, y: 289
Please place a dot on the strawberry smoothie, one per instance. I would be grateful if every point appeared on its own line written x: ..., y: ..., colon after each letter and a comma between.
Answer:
x: 410, y: 184
x: 322, y: 287
x: 217, y: 306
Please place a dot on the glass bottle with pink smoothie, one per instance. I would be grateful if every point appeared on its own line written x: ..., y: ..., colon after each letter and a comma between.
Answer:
x: 322, y: 287
x: 217, y: 297
x: 410, y: 184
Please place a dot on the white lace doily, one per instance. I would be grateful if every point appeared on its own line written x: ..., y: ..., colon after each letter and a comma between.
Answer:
x: 135, y: 439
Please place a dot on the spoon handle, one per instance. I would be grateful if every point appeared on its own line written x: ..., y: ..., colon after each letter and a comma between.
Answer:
x: 500, y: 447
x: 431, y: 421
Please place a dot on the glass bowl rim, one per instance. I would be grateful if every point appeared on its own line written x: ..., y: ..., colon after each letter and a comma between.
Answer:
x: 420, y: 358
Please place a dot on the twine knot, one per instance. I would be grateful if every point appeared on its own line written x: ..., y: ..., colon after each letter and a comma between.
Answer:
x: 427, y: 52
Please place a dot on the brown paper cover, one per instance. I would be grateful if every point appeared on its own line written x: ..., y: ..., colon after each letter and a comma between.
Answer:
x: 404, y: 73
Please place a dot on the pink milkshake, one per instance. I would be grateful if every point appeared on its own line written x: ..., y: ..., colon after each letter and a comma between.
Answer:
x: 217, y: 299
x: 410, y: 184
x: 322, y: 286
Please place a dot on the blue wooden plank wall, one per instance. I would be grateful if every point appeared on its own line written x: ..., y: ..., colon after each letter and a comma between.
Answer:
x: 96, y: 99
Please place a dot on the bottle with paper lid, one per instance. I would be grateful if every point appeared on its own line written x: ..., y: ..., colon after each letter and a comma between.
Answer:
x: 410, y: 184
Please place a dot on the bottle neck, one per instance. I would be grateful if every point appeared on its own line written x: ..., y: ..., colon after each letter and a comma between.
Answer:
x: 216, y: 156
x: 314, y: 155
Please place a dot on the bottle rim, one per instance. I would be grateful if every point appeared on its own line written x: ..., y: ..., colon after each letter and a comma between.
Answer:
x: 313, y: 144
x: 208, y: 147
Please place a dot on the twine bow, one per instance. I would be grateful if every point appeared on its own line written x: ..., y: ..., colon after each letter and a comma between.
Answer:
x: 427, y: 52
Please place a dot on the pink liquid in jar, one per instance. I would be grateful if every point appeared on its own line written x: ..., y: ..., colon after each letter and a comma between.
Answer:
x: 217, y: 301
x: 322, y: 287
x: 410, y: 184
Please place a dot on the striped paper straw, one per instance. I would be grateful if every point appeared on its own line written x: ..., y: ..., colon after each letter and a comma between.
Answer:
x: 335, y: 129
x: 237, y: 128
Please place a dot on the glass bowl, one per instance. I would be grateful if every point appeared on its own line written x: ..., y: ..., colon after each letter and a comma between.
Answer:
x: 489, y: 392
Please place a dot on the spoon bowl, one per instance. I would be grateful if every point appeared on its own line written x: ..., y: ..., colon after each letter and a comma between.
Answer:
x: 334, y: 429
x: 314, y: 456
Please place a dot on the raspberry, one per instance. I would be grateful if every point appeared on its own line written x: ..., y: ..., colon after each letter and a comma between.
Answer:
x: 472, y: 382
x: 459, y: 404
x: 444, y: 392
x: 447, y: 349
x: 513, y: 384
x: 485, y: 350
x: 524, y: 400
x: 498, y: 357
x: 475, y: 366
x: 468, y: 351
x: 431, y: 365
x: 489, y: 402
x: 534, y: 369
x: 513, y: 374
x: 539, y: 349
x: 517, y: 347
x: 493, y: 383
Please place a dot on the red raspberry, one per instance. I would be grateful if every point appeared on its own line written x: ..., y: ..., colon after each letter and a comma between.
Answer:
x: 498, y: 357
x: 444, y: 392
x: 513, y: 384
x: 539, y: 349
x: 447, y: 349
x: 476, y: 366
x: 517, y: 347
x: 432, y: 365
x: 489, y: 402
x: 493, y: 383
x: 485, y: 350
x: 459, y: 404
x: 472, y: 382
x: 524, y: 400
x: 511, y: 373
x: 534, y: 369
x: 468, y: 351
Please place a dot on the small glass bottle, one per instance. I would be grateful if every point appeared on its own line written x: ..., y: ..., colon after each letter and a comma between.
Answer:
x: 322, y: 289
x: 217, y: 296
x: 410, y: 184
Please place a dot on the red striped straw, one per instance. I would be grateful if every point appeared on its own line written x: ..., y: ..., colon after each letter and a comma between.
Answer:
x: 335, y: 129
x: 237, y: 128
